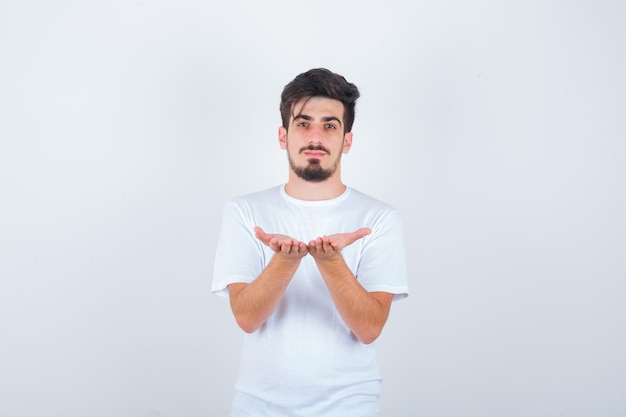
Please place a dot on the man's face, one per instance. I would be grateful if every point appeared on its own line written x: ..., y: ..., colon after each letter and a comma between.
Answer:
x: 315, y: 138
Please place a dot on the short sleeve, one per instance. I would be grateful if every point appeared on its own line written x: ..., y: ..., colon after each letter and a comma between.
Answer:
x: 239, y: 256
x: 382, y: 266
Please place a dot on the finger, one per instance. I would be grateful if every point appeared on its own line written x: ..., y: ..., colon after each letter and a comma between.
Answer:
x: 261, y: 235
x: 359, y: 233
x: 304, y: 249
x: 327, y: 245
x: 286, y: 247
x: 297, y: 248
x: 362, y: 232
x: 314, y: 247
x: 274, y: 244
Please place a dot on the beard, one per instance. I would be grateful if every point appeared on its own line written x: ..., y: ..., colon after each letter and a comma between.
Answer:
x: 313, y: 171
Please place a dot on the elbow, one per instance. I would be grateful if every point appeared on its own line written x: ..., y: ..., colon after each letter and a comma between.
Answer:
x: 368, y: 337
x: 247, y: 321
x: 368, y: 340
x: 246, y: 324
x: 247, y: 329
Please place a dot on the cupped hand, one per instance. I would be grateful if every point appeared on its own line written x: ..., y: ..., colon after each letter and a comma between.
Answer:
x: 329, y: 246
x: 282, y: 244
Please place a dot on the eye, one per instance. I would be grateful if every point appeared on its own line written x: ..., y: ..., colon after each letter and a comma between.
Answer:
x: 330, y: 126
x: 302, y: 124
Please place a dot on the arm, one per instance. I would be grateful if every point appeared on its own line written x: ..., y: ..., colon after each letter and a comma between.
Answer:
x: 363, y: 312
x: 254, y: 303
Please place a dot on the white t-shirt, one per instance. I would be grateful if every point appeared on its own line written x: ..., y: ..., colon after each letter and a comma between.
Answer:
x: 304, y: 360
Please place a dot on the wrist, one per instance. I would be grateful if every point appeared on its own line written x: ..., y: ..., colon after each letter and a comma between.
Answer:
x: 334, y: 261
x: 285, y: 260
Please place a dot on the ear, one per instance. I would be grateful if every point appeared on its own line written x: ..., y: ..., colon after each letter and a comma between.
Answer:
x: 347, y: 142
x: 282, y: 137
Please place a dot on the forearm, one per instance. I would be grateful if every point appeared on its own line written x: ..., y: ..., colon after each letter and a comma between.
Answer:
x: 252, y: 304
x: 363, y: 312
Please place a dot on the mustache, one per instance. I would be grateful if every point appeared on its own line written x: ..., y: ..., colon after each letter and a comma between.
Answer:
x: 314, y: 148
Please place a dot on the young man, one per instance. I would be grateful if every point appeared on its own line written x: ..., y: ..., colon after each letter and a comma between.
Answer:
x: 311, y: 268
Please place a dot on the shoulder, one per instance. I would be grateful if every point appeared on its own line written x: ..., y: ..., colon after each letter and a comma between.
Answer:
x: 268, y: 195
x: 376, y: 213
x: 359, y: 198
x: 248, y: 207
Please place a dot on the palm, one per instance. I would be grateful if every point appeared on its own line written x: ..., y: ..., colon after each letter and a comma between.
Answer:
x: 328, y: 246
x: 282, y: 244
x: 341, y: 240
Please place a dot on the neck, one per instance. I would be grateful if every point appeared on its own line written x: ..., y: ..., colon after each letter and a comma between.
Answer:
x: 313, y: 191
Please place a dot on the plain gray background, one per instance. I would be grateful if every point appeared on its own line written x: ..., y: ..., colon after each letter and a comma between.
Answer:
x: 497, y: 128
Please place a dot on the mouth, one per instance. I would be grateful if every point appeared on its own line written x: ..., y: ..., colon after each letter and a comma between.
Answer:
x: 314, y: 151
x: 314, y: 154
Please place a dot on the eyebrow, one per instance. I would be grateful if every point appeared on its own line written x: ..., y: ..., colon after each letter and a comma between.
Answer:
x: 324, y: 119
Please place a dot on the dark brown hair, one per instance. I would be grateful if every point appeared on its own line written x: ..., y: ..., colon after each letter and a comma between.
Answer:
x: 319, y: 82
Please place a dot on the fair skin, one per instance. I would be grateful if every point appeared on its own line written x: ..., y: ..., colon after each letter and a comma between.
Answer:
x: 325, y: 130
x: 318, y: 123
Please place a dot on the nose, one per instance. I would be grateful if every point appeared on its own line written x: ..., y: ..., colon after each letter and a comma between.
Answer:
x: 315, y: 135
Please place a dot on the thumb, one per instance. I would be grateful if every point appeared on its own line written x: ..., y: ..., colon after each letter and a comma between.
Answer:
x: 363, y: 231
x: 259, y: 233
